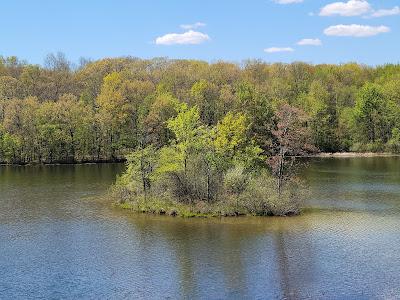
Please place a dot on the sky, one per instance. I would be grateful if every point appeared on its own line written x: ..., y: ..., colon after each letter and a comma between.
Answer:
x: 312, y: 31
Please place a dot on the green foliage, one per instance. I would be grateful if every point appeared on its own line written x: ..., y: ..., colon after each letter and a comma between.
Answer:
x: 261, y: 198
x: 204, y: 94
x: 230, y: 136
x: 9, y: 87
x: 236, y: 180
x: 232, y: 143
x: 185, y: 127
x: 394, y: 142
x: 323, y: 115
x: 163, y: 108
x: 141, y: 164
x: 10, y: 146
x: 202, y: 163
x: 372, y: 115
x: 106, y: 109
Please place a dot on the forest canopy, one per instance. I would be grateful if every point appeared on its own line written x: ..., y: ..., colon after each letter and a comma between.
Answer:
x: 102, y: 110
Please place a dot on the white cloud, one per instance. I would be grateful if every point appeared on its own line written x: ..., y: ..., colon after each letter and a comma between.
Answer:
x: 288, y: 1
x: 278, y: 49
x: 386, y: 12
x: 187, y: 38
x: 355, y: 30
x: 309, y: 42
x: 346, y: 9
x: 193, y: 26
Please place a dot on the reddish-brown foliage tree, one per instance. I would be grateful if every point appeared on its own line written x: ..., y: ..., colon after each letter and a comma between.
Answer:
x: 291, y: 139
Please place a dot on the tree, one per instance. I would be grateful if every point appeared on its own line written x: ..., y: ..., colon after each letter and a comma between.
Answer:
x: 75, y: 118
x: 260, y: 114
x: 141, y: 165
x: 164, y: 107
x: 9, y: 87
x: 185, y: 127
x: 232, y: 142
x: 394, y: 142
x: 59, y: 79
x: 322, y: 108
x: 107, y: 108
x: 370, y: 114
x: 10, y: 146
x: 291, y: 139
x: 200, y: 155
x: 204, y: 95
x: 114, y: 111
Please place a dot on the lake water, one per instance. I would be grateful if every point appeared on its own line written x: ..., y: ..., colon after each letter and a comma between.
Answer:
x: 58, y: 241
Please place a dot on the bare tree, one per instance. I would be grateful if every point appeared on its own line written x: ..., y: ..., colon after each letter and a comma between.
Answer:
x: 57, y: 62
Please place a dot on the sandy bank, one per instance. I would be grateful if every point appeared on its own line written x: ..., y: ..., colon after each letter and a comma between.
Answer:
x: 355, y: 154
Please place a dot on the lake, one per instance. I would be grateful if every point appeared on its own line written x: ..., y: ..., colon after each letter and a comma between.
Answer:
x: 58, y: 240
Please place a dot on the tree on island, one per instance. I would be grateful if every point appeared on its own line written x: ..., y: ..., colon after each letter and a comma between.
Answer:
x: 291, y: 139
x: 219, y: 169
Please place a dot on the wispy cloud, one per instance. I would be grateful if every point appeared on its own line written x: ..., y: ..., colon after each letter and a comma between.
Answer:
x: 187, y: 38
x: 309, y: 42
x: 346, y: 9
x: 278, y: 49
x: 288, y: 1
x: 385, y: 12
x: 355, y: 30
x: 193, y: 26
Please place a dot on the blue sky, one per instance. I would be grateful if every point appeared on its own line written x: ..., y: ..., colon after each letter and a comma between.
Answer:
x: 355, y: 30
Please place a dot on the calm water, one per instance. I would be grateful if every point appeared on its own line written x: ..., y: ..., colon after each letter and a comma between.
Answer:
x: 57, y: 241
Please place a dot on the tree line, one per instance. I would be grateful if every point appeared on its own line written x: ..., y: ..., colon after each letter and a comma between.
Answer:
x: 102, y: 110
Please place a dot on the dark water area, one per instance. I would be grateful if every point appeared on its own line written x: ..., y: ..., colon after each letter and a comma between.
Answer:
x: 58, y: 240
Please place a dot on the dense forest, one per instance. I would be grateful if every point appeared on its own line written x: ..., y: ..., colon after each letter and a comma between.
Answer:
x: 102, y: 110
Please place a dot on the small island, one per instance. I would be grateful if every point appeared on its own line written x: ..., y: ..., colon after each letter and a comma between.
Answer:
x: 217, y: 170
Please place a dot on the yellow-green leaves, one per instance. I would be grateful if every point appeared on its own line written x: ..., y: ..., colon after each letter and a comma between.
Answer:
x: 230, y: 134
x: 185, y: 125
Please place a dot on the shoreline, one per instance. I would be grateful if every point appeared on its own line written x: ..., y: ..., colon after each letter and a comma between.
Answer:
x: 122, y: 160
x: 189, y: 213
x: 55, y: 163
x: 179, y: 210
x: 353, y: 154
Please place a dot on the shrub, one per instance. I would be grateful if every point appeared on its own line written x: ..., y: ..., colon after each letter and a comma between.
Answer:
x: 235, y: 180
x: 377, y: 146
x: 394, y: 143
x: 261, y: 196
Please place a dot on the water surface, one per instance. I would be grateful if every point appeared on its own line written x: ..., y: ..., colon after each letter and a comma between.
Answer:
x: 57, y: 241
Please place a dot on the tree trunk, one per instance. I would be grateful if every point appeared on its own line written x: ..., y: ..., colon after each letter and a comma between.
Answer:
x: 280, y: 172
